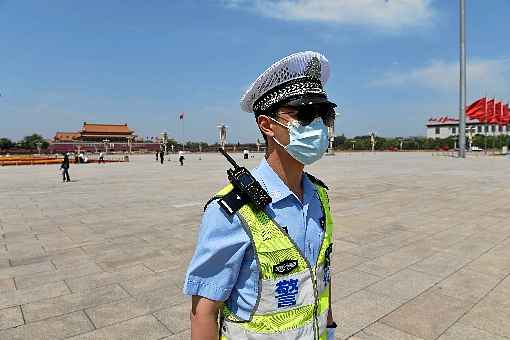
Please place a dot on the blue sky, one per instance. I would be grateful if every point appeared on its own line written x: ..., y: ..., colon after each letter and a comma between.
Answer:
x: 394, y: 62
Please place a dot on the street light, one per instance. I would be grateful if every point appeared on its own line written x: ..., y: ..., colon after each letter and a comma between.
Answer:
x: 130, y: 141
x: 106, y: 141
x: 164, y: 139
x: 38, y: 145
x: 223, y: 135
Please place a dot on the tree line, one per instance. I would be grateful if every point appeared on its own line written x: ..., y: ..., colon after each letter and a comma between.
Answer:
x: 27, y: 142
x: 414, y: 143
x: 340, y: 143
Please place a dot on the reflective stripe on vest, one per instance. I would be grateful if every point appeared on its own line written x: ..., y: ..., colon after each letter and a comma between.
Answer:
x: 293, y: 296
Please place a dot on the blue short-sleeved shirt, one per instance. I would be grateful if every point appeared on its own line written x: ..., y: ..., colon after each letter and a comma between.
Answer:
x: 224, y: 268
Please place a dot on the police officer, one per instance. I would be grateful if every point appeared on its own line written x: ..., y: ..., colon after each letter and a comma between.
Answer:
x: 265, y: 273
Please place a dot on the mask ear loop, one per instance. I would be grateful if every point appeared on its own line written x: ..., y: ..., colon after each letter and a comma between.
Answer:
x: 277, y: 122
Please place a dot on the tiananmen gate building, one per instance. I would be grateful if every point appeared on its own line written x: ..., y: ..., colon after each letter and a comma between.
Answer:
x: 100, y: 137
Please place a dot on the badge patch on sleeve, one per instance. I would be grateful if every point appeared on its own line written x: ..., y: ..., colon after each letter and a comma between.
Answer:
x: 285, y: 267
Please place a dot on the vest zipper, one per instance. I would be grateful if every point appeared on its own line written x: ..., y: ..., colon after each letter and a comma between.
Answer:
x: 313, y: 271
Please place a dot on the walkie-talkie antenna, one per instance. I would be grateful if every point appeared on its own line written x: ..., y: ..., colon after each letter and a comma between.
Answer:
x: 230, y: 159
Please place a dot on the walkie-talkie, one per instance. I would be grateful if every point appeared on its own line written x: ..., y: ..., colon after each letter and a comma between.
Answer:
x: 245, y: 186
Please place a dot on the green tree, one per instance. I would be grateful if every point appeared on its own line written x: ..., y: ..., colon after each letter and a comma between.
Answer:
x: 30, y: 142
x: 339, y: 142
x: 6, y: 143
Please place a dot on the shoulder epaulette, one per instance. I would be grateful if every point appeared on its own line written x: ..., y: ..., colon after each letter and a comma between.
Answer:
x: 230, y: 202
x: 215, y: 197
x: 317, y: 181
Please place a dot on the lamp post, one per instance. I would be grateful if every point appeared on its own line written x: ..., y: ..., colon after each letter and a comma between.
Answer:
x: 38, y: 145
x: 471, y: 129
x: 106, y: 141
x: 164, y: 139
x: 462, y: 83
x: 223, y: 135
x: 331, y: 137
x: 130, y: 141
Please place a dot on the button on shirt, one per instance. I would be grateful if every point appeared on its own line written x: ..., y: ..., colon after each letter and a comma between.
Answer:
x: 224, y: 268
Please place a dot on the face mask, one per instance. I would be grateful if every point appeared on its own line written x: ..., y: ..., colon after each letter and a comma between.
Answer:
x: 307, y: 143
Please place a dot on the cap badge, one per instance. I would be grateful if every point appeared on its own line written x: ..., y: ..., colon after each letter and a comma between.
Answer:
x: 313, y: 69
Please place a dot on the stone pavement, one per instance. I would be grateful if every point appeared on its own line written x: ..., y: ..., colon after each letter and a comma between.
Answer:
x: 422, y: 247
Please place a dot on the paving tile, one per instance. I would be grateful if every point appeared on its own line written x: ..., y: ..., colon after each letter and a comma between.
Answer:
x: 28, y: 269
x: 175, y: 318
x: 186, y: 335
x: 106, y: 278
x: 470, y: 247
x: 460, y: 331
x: 70, y: 255
x: 141, y: 328
x: 56, y: 275
x: 350, y: 281
x: 10, y: 317
x: 21, y: 296
x: 404, y: 285
x: 427, y: 316
x: 441, y: 264
x: 393, y: 262
x: 492, y: 314
x: 492, y: 263
x: 72, y: 302
x: 468, y: 285
x: 7, y: 284
x: 380, y: 331
x: 170, y: 280
x: 50, y: 329
x: 359, y: 310
x: 342, y: 260
x: 110, y: 313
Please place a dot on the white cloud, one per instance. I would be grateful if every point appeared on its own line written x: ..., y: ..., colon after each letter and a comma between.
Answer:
x: 382, y: 14
x: 484, y: 77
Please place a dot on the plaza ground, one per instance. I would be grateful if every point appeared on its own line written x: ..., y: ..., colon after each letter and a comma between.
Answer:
x: 422, y: 246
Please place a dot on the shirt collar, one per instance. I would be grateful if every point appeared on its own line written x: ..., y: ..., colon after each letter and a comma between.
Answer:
x: 274, y: 185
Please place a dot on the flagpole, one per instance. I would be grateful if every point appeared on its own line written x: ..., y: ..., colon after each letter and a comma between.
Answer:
x: 462, y: 94
x: 182, y: 131
x: 486, y: 128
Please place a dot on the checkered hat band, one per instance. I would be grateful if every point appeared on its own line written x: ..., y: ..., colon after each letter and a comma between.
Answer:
x: 287, y: 91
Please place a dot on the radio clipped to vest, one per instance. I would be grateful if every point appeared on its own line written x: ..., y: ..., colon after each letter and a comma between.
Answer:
x: 246, y: 189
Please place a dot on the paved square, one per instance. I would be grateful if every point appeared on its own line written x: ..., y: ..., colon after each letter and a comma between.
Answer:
x: 422, y: 246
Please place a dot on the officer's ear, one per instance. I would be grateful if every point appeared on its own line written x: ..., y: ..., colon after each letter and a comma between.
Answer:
x: 265, y: 125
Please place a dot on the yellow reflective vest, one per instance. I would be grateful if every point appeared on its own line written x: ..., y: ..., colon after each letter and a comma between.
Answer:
x: 293, y: 294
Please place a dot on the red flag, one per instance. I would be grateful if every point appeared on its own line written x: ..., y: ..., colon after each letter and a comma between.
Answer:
x: 505, y: 119
x: 489, y: 118
x: 477, y: 109
x: 497, y: 113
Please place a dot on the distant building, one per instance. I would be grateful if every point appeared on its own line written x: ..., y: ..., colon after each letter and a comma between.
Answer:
x: 67, y: 136
x: 101, y: 137
x: 112, y: 132
x: 444, y: 127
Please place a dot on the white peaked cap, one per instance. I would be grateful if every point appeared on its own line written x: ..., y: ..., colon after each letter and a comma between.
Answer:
x: 302, y: 73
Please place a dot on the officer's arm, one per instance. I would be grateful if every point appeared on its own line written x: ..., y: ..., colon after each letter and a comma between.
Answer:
x: 204, y: 318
